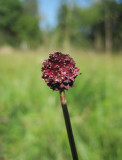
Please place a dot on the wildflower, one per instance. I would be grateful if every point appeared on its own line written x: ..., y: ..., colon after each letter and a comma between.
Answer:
x: 59, y: 71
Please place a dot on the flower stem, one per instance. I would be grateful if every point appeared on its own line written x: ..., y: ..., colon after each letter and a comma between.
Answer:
x: 68, y: 125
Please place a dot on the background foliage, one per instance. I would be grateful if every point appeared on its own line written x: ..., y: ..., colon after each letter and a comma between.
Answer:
x: 97, y: 26
x: 31, y: 121
x: 17, y: 24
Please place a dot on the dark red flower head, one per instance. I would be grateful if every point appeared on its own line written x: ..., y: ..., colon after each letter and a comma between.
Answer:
x: 59, y: 71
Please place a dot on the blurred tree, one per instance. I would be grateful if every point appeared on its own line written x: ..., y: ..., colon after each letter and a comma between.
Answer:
x: 27, y: 26
x: 10, y: 10
x: 84, y: 25
x: 28, y: 31
x: 18, y: 26
x: 76, y: 23
x: 31, y: 7
x: 112, y: 14
x: 117, y: 27
x: 62, y: 22
x: 109, y: 12
x: 97, y: 25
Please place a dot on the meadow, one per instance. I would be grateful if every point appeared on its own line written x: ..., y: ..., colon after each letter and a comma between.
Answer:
x: 31, y: 120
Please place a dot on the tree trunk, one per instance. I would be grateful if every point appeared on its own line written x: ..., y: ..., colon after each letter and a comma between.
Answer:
x: 108, y: 32
x: 97, y: 41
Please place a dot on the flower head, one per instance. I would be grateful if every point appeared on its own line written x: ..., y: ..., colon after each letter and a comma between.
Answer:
x: 59, y: 71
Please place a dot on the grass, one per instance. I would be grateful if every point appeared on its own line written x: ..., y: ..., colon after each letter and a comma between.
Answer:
x: 31, y: 120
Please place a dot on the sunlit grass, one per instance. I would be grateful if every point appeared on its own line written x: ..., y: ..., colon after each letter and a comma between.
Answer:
x: 31, y: 120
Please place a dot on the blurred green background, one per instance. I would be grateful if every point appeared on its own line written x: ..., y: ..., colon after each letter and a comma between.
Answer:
x: 31, y: 120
